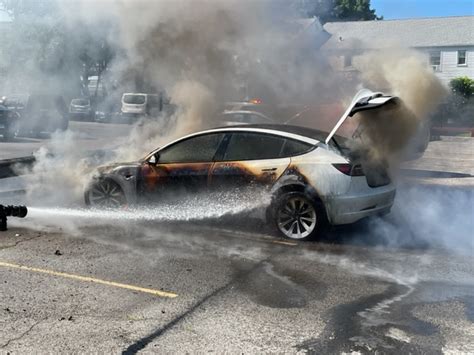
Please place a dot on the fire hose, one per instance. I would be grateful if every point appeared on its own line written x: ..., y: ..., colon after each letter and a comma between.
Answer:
x: 11, y: 211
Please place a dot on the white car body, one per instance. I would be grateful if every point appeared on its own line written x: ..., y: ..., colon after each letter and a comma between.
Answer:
x: 139, y: 104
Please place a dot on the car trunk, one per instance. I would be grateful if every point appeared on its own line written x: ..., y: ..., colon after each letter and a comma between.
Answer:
x: 355, y: 150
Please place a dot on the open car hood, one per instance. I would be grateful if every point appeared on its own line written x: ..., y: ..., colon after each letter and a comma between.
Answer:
x: 364, y: 100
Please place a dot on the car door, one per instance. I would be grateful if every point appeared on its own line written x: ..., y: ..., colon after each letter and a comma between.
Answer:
x: 183, y: 166
x: 249, y: 159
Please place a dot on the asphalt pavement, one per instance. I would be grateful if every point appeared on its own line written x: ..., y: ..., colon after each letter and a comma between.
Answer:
x: 228, y: 285
x: 92, y: 135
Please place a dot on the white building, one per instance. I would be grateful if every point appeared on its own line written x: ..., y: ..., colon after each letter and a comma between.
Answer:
x: 447, y: 42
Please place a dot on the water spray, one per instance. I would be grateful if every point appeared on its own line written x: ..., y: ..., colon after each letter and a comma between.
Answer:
x: 11, y: 211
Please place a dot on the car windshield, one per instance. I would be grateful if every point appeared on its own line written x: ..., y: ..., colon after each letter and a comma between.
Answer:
x: 134, y: 99
x: 80, y: 102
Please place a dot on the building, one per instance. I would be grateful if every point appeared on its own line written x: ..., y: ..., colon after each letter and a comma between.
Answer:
x: 446, y: 42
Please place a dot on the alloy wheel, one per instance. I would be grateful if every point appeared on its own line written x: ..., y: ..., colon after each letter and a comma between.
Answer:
x: 296, y: 218
x: 106, y: 194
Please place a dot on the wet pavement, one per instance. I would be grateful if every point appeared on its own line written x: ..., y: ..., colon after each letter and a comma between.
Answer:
x: 228, y: 284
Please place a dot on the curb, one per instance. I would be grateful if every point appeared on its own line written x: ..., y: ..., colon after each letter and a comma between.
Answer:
x: 9, y: 167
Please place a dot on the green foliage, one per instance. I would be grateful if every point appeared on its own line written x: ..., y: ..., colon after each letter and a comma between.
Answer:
x: 337, y: 10
x: 463, y: 86
x: 458, y: 110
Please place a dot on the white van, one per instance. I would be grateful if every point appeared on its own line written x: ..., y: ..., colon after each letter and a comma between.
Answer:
x: 136, y: 105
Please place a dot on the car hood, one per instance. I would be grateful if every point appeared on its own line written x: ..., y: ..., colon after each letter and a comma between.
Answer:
x: 364, y: 100
x: 106, y: 169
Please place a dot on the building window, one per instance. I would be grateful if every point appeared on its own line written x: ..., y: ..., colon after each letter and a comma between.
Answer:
x: 435, y: 60
x: 462, y: 57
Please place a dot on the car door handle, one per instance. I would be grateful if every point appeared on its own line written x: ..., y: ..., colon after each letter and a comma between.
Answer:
x: 269, y: 169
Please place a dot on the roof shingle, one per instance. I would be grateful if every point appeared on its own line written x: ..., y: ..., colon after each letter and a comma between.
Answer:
x: 420, y: 32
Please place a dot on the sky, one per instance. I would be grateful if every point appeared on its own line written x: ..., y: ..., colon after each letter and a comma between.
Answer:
x: 397, y: 9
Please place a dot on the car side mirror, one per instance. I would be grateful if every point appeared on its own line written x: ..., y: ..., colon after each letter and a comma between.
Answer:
x: 154, y: 159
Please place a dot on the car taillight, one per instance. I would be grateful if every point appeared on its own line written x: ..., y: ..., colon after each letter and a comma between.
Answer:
x: 348, y: 169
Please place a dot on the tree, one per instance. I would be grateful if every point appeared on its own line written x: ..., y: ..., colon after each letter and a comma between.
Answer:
x: 458, y: 110
x: 41, y: 50
x: 337, y: 10
x: 463, y: 86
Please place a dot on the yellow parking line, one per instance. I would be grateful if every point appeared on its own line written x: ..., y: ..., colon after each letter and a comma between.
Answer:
x: 90, y: 279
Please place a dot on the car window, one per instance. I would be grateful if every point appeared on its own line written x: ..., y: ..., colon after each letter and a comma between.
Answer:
x: 253, y: 146
x: 134, y: 99
x: 80, y: 102
x: 192, y: 150
x: 293, y: 147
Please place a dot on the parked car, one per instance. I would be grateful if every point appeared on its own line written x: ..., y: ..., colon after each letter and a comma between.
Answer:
x: 311, y: 174
x: 231, y: 118
x: 9, y: 122
x: 44, y: 113
x: 137, y: 105
x: 80, y: 109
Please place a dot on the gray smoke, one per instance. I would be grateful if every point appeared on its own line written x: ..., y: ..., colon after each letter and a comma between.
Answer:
x: 205, y: 53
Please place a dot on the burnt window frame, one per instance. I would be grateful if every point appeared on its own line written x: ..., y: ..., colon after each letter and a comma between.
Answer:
x: 219, y: 157
x: 311, y: 147
x: 159, y: 151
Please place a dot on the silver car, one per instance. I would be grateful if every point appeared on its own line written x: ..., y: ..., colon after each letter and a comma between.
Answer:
x: 313, y: 180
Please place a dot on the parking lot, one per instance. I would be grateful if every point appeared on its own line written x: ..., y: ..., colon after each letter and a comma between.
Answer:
x: 189, y: 280
x: 230, y: 285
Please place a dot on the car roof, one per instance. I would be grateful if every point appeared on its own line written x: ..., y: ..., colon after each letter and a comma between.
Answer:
x: 305, y: 134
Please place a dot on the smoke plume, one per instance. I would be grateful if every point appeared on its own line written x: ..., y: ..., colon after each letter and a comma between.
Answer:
x: 402, y: 73
x: 202, y: 56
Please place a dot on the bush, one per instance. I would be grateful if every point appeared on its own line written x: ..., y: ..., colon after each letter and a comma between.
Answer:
x: 463, y: 86
x: 458, y: 109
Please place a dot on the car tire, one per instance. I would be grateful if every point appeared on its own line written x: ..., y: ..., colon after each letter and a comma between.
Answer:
x: 298, y: 216
x: 105, y: 193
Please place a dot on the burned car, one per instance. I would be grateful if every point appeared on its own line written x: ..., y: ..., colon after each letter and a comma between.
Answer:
x: 312, y: 178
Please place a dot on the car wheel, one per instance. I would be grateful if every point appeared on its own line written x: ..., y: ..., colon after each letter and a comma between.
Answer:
x: 297, y: 216
x: 105, y: 193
